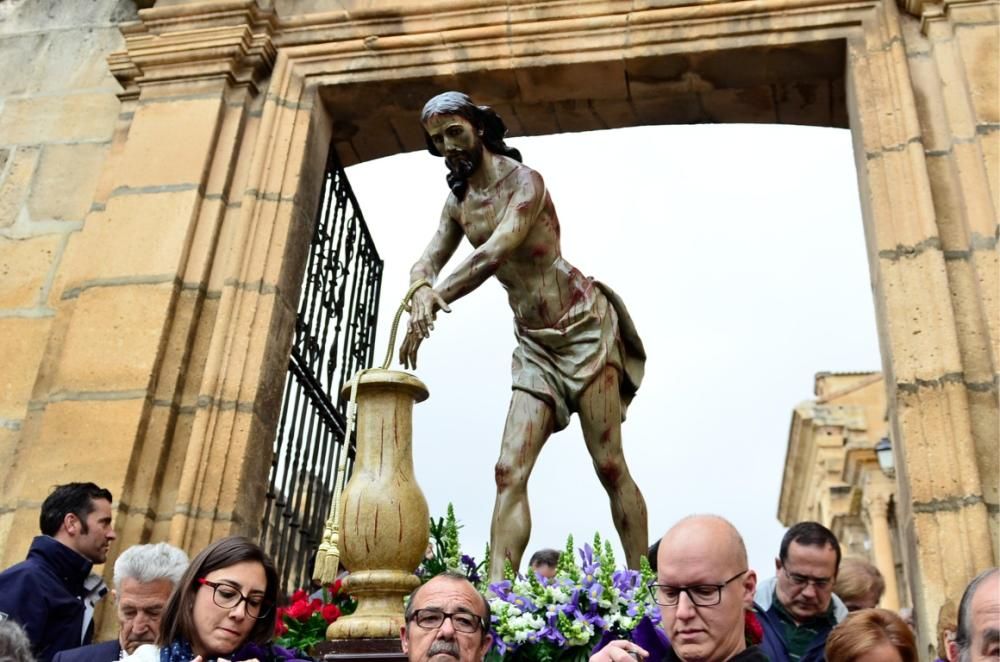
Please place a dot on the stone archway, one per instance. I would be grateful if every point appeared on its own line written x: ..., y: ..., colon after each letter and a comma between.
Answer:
x: 229, y: 107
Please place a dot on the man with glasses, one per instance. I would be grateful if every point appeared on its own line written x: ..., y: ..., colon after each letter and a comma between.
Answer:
x: 704, y: 587
x: 797, y: 607
x: 446, y: 619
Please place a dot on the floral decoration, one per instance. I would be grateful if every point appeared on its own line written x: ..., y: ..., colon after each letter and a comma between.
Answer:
x: 535, y: 619
x: 302, y: 623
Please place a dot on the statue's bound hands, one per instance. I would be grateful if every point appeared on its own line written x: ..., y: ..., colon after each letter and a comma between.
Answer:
x: 424, y: 305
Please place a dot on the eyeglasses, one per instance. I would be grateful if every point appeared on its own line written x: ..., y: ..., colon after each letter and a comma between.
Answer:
x: 701, y: 595
x: 228, y: 597
x: 801, y: 581
x: 432, y: 619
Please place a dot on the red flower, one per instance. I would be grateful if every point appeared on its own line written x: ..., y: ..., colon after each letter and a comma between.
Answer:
x: 752, y: 629
x: 279, y: 624
x: 330, y: 613
x: 299, y: 595
x: 334, y: 588
x: 300, y: 611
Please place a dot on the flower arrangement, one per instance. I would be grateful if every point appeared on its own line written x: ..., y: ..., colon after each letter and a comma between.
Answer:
x: 561, y: 619
x: 302, y: 624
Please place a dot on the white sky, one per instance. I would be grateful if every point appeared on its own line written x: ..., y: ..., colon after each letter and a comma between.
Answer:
x: 739, y: 251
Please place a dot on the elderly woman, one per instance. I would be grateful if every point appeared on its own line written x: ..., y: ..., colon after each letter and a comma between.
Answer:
x: 224, y: 603
x: 871, y: 635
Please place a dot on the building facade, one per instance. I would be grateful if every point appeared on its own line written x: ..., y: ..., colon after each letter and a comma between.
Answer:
x: 160, y: 167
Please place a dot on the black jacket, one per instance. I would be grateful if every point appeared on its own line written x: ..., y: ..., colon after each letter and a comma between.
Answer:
x: 107, y: 651
x: 51, y: 595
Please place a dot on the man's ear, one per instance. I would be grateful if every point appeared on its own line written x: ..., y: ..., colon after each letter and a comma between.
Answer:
x: 114, y: 595
x: 402, y: 639
x: 749, y: 588
x: 71, y: 524
x: 777, y: 564
x: 952, y: 647
x: 485, y: 648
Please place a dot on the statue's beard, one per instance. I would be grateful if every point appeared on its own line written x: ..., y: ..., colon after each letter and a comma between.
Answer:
x: 461, y: 166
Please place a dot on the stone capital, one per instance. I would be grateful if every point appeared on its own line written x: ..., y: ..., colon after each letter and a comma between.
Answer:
x: 228, y: 39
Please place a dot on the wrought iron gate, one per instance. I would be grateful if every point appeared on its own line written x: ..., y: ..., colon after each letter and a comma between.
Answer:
x: 334, y: 337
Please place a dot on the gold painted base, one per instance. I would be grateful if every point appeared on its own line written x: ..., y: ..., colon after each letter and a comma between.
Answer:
x: 380, y: 596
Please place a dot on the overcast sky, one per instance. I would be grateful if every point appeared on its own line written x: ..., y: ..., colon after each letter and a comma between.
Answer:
x: 739, y: 251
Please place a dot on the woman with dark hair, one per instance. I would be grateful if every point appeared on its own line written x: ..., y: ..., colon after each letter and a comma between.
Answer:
x: 223, y: 605
x: 871, y: 635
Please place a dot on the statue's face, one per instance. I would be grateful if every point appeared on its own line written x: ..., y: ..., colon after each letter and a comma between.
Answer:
x: 457, y: 140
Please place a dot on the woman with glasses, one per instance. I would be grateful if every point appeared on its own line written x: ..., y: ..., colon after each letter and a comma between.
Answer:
x: 223, y: 604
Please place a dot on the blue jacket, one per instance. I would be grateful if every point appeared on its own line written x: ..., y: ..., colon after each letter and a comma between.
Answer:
x: 774, y: 644
x: 51, y: 595
x: 108, y: 651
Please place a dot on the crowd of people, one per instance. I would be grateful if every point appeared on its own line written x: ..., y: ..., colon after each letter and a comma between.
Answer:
x: 222, y: 604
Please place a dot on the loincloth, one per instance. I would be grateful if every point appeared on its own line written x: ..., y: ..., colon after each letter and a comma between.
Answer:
x: 556, y: 364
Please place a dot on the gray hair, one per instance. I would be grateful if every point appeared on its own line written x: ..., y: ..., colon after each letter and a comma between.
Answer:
x: 963, y: 638
x: 14, y: 643
x: 147, y: 563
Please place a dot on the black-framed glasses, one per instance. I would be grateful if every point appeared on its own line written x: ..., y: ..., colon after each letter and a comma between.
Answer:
x: 801, y: 581
x: 229, y: 597
x: 701, y: 595
x: 462, y: 621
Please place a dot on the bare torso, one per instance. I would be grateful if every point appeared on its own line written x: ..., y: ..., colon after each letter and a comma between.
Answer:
x: 540, y: 284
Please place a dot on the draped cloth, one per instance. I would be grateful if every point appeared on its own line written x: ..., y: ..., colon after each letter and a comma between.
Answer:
x: 557, y: 363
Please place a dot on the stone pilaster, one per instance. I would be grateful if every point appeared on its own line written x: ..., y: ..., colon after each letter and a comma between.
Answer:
x: 876, y: 509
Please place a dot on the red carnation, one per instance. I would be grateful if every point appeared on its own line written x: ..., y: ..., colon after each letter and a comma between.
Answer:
x: 299, y: 595
x: 300, y: 611
x: 330, y: 613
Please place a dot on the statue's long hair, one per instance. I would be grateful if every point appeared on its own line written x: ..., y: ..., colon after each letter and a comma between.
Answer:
x: 483, y: 118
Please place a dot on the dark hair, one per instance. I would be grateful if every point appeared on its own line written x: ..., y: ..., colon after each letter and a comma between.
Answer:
x: 178, y: 620
x: 866, y: 629
x: 963, y: 637
x: 454, y: 576
x: 811, y: 534
x: 549, y: 557
x: 484, y: 119
x: 76, y: 498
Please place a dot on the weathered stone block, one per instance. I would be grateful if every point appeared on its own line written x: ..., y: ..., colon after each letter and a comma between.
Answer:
x: 979, y: 46
x: 25, y: 265
x: 77, y: 117
x: 64, y: 183
x: 15, y: 181
x: 113, y: 341
x: 24, y: 341
x: 137, y: 235
x: 151, y: 161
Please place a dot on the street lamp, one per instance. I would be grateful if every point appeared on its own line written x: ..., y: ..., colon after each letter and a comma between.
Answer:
x: 883, y: 451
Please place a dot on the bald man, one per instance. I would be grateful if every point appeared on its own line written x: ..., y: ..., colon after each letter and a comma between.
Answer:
x: 704, y: 586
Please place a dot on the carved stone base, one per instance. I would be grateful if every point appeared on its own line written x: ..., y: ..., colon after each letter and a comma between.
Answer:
x: 360, y: 650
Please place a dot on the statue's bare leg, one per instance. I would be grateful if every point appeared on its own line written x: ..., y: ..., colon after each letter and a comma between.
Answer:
x: 529, y: 424
x: 600, y: 417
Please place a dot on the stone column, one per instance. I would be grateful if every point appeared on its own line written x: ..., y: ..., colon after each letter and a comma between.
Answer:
x: 877, y: 517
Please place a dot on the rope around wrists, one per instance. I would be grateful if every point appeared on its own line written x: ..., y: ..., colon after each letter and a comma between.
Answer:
x: 399, y: 313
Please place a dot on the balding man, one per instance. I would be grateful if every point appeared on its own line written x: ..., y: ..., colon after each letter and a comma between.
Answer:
x: 704, y: 587
x: 446, y: 619
x: 978, y: 636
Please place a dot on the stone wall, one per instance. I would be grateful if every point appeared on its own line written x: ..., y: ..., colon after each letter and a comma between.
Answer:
x: 58, y: 114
